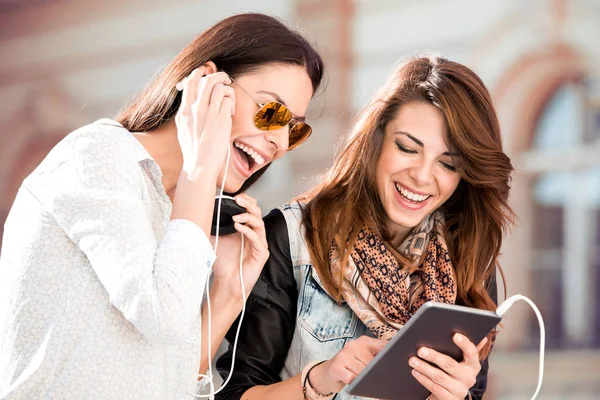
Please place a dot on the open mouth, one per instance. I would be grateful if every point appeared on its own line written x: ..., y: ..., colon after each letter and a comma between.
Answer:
x: 410, y: 196
x: 250, y: 157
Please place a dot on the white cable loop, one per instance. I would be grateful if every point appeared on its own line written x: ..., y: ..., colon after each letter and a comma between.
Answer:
x: 504, y: 307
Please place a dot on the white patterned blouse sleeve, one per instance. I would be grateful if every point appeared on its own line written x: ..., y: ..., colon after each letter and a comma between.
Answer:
x: 96, y: 196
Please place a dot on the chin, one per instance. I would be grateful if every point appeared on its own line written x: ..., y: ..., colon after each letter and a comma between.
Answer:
x: 406, y: 223
x: 232, y: 187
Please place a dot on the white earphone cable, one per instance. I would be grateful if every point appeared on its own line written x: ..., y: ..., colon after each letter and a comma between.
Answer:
x: 209, y: 375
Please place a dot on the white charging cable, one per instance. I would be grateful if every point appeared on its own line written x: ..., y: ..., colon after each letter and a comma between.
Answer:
x: 504, y: 307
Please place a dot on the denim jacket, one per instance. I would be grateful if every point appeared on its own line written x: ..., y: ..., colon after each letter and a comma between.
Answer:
x: 323, y: 326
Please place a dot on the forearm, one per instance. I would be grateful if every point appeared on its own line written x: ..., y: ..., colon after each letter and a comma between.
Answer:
x: 224, y: 312
x: 195, y: 195
x: 289, y: 389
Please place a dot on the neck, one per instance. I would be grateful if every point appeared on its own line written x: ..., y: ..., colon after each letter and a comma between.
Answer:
x: 399, y: 233
x: 163, y: 146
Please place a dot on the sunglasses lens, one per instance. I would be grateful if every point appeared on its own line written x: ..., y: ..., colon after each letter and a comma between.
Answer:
x: 272, y: 116
x: 298, y: 134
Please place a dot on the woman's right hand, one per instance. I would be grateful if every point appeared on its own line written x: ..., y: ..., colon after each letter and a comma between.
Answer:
x: 204, y: 119
x: 332, y: 375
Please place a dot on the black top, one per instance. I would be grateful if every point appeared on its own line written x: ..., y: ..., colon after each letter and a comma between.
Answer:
x: 270, y: 320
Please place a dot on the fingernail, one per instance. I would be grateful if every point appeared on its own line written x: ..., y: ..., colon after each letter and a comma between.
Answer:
x: 459, y: 338
x: 423, y: 352
x: 414, y: 362
x: 239, y: 200
x: 415, y: 373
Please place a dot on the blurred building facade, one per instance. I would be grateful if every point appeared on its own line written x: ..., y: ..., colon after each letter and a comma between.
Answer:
x: 64, y: 63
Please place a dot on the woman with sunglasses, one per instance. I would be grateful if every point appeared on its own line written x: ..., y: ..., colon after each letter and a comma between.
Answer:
x: 413, y: 209
x: 106, y: 249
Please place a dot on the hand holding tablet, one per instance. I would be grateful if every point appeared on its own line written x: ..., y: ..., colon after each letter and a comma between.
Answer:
x: 389, y: 375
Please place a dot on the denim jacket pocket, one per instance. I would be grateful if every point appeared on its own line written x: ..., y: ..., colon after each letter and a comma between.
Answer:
x: 322, y: 316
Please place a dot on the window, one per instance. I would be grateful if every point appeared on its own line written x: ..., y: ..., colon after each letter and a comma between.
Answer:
x: 565, y: 190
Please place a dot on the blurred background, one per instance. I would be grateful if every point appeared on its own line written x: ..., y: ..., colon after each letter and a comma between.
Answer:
x: 65, y: 63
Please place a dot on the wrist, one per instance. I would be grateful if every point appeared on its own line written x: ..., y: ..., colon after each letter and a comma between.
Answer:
x: 207, y: 171
x: 209, y: 156
x: 314, y: 384
x: 315, y: 376
x: 220, y: 294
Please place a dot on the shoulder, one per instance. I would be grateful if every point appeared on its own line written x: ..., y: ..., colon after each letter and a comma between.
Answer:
x: 276, y: 229
x: 292, y: 213
x: 93, y: 156
x: 277, y: 273
x: 292, y: 216
x: 105, y: 143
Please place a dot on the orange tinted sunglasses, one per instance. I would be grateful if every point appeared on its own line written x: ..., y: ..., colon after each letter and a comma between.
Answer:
x: 274, y: 115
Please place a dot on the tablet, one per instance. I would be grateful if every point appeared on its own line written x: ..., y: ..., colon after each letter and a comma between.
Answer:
x: 388, y: 375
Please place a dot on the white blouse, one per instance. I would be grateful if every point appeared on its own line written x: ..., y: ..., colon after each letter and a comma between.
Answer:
x: 100, y: 293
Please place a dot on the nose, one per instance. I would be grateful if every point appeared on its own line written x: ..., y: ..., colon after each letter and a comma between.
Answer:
x: 279, y: 138
x: 422, y: 173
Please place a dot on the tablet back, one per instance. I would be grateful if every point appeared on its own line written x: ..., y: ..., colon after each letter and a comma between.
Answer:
x: 389, y: 376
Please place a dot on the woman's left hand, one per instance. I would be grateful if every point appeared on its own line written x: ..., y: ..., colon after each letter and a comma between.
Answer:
x: 226, y: 269
x: 451, y: 380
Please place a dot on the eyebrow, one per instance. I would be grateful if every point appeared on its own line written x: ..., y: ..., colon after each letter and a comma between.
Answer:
x: 419, y: 143
x: 280, y: 100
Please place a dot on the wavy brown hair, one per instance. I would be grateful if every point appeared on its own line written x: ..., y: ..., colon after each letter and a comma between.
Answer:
x: 477, y: 214
x: 238, y: 45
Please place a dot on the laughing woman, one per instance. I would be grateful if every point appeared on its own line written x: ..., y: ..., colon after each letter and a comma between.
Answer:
x: 414, y: 209
x: 106, y: 250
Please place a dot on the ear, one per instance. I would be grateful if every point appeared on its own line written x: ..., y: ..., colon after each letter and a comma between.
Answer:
x: 210, y: 68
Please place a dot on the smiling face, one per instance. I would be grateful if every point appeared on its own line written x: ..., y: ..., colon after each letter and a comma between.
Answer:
x: 252, y: 148
x: 415, y: 172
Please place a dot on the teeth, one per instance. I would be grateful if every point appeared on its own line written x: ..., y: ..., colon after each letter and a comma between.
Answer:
x: 255, y: 156
x: 410, y: 195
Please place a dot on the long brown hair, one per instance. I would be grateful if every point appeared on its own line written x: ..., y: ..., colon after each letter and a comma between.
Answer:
x: 238, y: 45
x: 477, y: 214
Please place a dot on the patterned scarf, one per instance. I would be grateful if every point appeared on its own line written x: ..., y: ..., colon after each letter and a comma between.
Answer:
x: 381, y: 291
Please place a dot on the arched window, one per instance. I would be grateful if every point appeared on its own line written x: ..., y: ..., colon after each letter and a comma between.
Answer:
x: 564, y: 162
